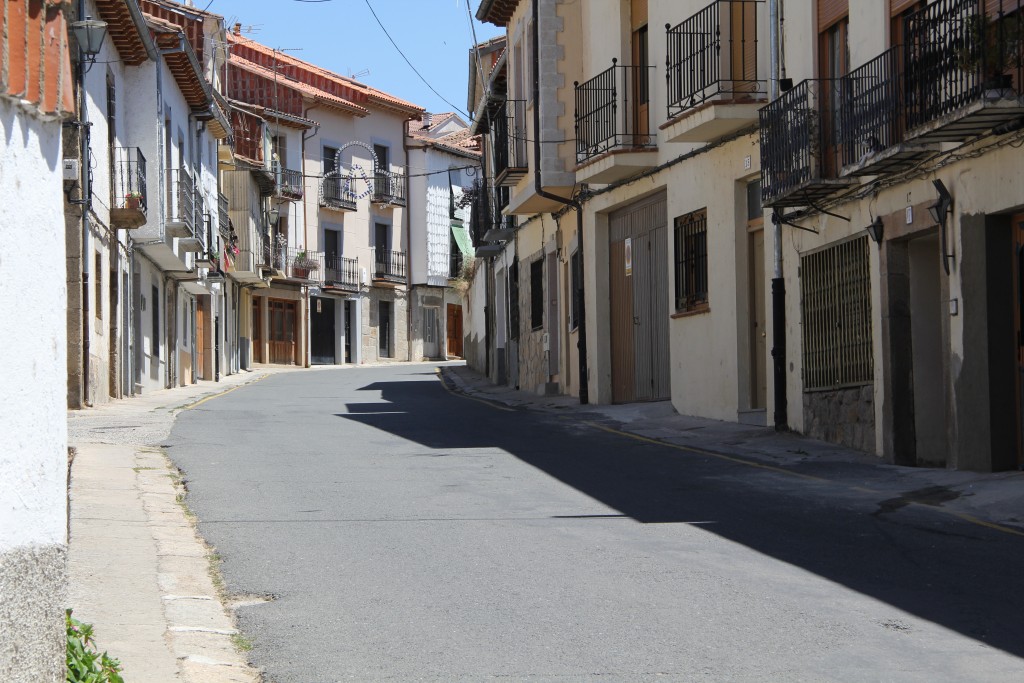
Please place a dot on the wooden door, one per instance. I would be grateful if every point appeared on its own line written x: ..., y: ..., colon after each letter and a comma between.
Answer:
x: 454, y: 329
x: 257, y: 332
x: 743, y: 47
x: 758, y: 324
x: 282, y: 331
x: 621, y: 286
x: 322, y: 335
x: 201, y: 336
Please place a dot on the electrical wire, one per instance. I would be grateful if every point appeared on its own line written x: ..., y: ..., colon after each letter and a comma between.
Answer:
x: 411, y: 66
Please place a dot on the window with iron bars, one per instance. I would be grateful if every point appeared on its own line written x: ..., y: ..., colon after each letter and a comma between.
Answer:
x: 835, y: 305
x: 691, y: 259
x: 537, y: 294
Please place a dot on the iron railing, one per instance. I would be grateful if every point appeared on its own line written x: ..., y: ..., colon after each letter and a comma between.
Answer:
x: 200, y: 217
x: 800, y: 149
x: 342, y: 272
x: 389, y: 187
x: 181, y: 199
x: 336, y: 193
x: 223, y: 217
x: 389, y: 265
x: 510, y: 142
x: 714, y: 53
x: 874, y: 119
x: 304, y: 264
x: 288, y: 182
x: 956, y: 54
x: 129, y: 186
x: 611, y: 111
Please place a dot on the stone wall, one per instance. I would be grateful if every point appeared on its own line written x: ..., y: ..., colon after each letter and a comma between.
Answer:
x: 533, y: 362
x: 843, y: 416
x: 399, y: 347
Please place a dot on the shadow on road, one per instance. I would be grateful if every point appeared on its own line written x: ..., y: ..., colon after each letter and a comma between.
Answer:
x: 937, y: 567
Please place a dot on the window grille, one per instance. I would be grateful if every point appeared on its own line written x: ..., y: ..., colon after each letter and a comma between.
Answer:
x: 691, y: 251
x: 537, y: 294
x: 835, y: 303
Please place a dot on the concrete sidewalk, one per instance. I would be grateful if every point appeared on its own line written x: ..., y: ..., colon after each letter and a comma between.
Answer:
x: 994, y: 500
x: 137, y: 570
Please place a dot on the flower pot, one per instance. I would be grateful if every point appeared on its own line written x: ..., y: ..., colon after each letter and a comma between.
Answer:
x: 133, y: 203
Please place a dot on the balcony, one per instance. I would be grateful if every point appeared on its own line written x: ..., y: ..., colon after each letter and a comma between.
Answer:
x: 714, y: 82
x: 963, y: 69
x: 288, y: 183
x: 510, y: 144
x: 223, y: 219
x: 181, y: 191
x: 342, y: 273
x: 389, y: 266
x: 128, y: 204
x: 613, y: 138
x: 389, y: 188
x: 304, y: 264
x: 196, y: 241
x: 874, y: 121
x: 336, y: 193
x: 800, y: 152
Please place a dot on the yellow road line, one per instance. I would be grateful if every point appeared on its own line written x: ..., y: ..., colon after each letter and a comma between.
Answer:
x: 712, y: 454
x: 700, y: 451
x: 223, y: 393
x: 447, y: 388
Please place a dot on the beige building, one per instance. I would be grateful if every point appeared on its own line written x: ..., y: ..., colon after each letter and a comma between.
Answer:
x: 905, y: 131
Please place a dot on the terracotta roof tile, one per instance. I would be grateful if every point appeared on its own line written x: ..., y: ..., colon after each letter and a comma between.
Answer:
x: 305, y: 89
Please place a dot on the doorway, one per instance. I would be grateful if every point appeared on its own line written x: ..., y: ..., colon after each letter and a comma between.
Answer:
x: 348, y: 331
x: 638, y: 287
x: 926, y: 348
x: 283, y: 319
x: 1018, y: 268
x: 322, y: 331
x: 384, y: 329
x: 454, y: 329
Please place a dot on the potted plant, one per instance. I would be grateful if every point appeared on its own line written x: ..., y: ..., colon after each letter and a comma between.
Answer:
x: 133, y: 199
x: 991, y: 47
x: 302, y: 265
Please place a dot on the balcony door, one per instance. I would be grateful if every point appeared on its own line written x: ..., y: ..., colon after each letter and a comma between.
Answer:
x: 283, y: 337
x: 833, y: 64
x: 639, y: 86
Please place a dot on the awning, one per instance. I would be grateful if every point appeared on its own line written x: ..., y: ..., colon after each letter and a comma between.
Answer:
x: 463, y: 239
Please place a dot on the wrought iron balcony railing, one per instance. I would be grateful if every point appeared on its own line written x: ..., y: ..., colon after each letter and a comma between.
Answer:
x: 611, y: 112
x: 342, y: 273
x: 128, y: 186
x: 288, y: 182
x: 336, y: 193
x: 800, y: 144
x: 389, y: 188
x: 389, y: 265
x: 714, y: 54
x: 510, y: 143
x: 223, y: 218
x: 959, y: 55
x: 181, y: 197
x: 304, y: 264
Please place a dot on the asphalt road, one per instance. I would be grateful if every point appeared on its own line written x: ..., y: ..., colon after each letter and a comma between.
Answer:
x: 410, y: 534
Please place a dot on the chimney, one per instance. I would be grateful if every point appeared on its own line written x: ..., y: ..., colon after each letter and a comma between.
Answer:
x: 426, y: 120
x: 237, y: 30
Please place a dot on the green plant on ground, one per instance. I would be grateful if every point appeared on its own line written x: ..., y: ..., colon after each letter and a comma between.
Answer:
x: 85, y: 665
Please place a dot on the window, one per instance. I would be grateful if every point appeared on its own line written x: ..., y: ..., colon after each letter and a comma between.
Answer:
x: 537, y: 294
x: 383, y: 162
x: 513, y: 300
x: 332, y: 243
x: 835, y: 305
x: 330, y: 155
x: 691, y: 252
x: 380, y: 239
x: 575, y: 269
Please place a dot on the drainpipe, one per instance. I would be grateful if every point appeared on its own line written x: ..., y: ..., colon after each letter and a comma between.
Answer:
x: 86, y: 203
x: 581, y: 344
x: 781, y: 416
x: 407, y: 229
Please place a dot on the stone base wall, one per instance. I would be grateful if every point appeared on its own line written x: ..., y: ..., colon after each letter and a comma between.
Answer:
x: 399, y: 348
x: 843, y: 416
x: 533, y: 361
x: 32, y: 601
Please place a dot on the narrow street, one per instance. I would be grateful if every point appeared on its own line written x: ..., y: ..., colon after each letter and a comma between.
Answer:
x: 407, y: 533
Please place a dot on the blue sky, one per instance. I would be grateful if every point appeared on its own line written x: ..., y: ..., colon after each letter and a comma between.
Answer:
x: 342, y: 35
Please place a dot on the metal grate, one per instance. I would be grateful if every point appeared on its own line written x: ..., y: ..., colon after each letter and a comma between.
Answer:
x: 510, y: 136
x: 835, y: 303
x: 611, y: 111
x: 691, y: 251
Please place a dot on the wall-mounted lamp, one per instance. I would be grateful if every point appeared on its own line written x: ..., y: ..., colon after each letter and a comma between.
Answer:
x: 274, y: 215
x: 939, y: 211
x: 876, y: 230
x: 89, y: 34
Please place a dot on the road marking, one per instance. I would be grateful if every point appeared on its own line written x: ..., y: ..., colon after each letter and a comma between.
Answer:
x: 970, y: 519
x: 713, y: 454
x: 451, y: 391
x: 226, y: 391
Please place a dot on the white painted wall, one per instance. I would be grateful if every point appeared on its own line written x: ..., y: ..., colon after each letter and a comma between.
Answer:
x: 33, y: 367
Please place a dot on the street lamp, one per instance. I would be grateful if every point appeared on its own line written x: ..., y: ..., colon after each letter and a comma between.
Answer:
x: 876, y: 230
x: 939, y: 211
x: 89, y: 34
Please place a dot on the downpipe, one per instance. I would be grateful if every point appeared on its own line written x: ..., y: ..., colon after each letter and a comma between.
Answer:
x: 581, y: 344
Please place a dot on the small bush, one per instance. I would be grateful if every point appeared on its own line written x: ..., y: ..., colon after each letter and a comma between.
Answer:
x: 85, y: 665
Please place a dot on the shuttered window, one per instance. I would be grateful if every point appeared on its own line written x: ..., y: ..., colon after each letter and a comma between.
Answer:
x: 835, y: 306
x: 831, y: 11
